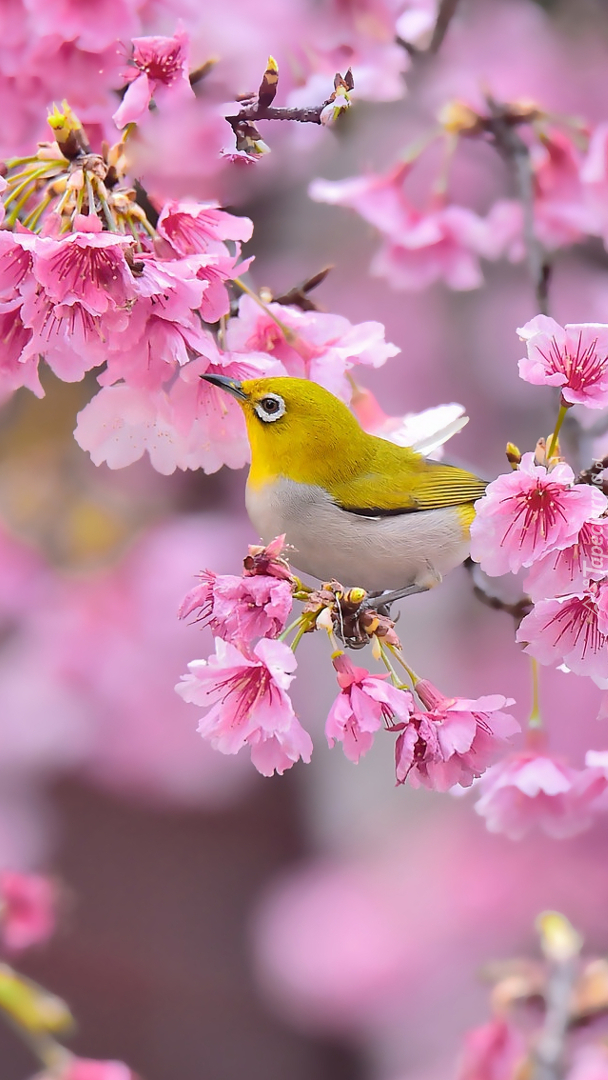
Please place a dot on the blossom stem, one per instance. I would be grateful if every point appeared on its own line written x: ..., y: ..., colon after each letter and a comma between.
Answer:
x: 285, y: 330
x: 34, y: 216
x: 292, y: 626
x: 299, y: 636
x: 397, y: 654
x: 563, y: 409
x: 535, y: 719
x: 389, y: 667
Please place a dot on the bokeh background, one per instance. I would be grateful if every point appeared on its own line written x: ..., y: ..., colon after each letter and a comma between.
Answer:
x: 324, y: 923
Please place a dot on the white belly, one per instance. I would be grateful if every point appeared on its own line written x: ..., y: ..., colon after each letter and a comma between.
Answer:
x: 375, y: 553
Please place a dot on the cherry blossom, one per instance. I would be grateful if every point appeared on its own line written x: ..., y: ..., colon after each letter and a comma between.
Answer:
x: 528, y: 512
x: 27, y: 909
x: 454, y: 741
x: 309, y: 344
x: 493, y: 1051
x: 594, y: 177
x: 87, y: 266
x: 445, y: 242
x: 158, y: 62
x: 240, y: 609
x: 571, y: 569
x: 364, y: 703
x: 77, y: 1068
x: 248, y: 703
x: 570, y: 629
x: 574, y: 357
x: 192, y: 227
x: 562, y: 214
x: 534, y: 789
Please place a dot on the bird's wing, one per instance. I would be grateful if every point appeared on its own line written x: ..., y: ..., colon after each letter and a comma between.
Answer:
x: 405, y: 482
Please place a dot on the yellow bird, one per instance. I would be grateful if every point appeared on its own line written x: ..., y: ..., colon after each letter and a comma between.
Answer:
x: 353, y: 506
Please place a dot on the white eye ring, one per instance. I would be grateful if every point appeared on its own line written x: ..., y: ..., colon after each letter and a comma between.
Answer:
x: 275, y: 411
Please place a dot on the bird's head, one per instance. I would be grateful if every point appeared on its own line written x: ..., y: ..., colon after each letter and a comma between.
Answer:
x: 296, y: 428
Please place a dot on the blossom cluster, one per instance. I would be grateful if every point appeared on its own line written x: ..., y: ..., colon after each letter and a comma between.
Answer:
x: 87, y: 281
x: 445, y: 241
x: 441, y: 743
x: 540, y: 518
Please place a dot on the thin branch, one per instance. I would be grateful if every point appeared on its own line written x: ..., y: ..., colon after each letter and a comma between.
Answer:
x: 308, y: 115
x: 514, y: 150
x: 445, y: 15
x: 548, y: 1053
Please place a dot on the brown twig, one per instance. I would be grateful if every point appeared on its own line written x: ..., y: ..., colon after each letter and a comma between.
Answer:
x: 445, y: 15
x: 518, y: 609
x: 509, y: 143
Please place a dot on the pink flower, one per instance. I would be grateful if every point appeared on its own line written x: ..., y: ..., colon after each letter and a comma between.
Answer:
x: 159, y: 62
x: 562, y: 214
x: 594, y: 177
x: 240, y: 609
x: 365, y: 702
x: 313, y: 345
x: 89, y: 267
x: 534, y: 789
x: 270, y: 559
x: 27, y: 909
x: 88, y: 1069
x: 571, y: 569
x: 589, y: 1062
x: 17, y: 368
x: 571, y: 630
x: 528, y: 512
x: 190, y: 227
x: 248, y: 703
x: 494, y: 1051
x: 215, y: 269
x: 71, y: 21
x: 421, y: 247
x: 574, y: 357
x: 454, y: 741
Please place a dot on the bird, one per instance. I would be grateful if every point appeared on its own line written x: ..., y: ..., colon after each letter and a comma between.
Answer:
x: 353, y: 507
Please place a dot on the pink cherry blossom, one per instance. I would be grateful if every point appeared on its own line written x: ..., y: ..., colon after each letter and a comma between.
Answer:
x: 89, y: 267
x: 442, y: 243
x: 215, y: 269
x: 77, y: 1068
x: 534, y: 789
x: 309, y: 344
x: 17, y: 368
x: 562, y: 214
x: 454, y: 741
x: 573, y: 357
x: 93, y: 26
x: 528, y: 512
x: 190, y: 227
x: 121, y: 423
x: 269, y: 559
x: 240, y: 609
x: 571, y: 630
x: 594, y: 177
x: 494, y: 1051
x: 571, y: 569
x: 248, y: 703
x: 589, y: 1062
x: 364, y: 703
x: 27, y: 909
x: 158, y: 62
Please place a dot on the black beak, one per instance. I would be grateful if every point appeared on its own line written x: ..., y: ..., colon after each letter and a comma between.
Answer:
x: 230, y: 385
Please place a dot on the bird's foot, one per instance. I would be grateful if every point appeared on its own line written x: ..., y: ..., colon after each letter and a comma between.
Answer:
x: 381, y: 602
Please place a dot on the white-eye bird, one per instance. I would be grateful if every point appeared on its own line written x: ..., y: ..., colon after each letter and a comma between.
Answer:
x: 353, y: 506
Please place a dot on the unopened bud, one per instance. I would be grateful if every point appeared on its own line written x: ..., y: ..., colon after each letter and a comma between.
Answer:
x: 558, y: 938
x: 456, y: 117
x: 513, y: 455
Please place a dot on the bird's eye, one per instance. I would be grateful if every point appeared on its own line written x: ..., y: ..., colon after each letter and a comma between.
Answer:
x: 270, y: 407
